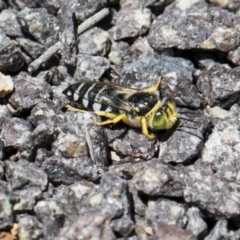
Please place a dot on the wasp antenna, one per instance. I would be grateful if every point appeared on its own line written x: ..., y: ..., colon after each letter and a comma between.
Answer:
x: 187, y: 119
x: 199, y: 135
x: 188, y: 111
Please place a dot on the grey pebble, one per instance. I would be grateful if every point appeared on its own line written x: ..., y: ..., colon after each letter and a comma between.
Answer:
x: 62, y: 177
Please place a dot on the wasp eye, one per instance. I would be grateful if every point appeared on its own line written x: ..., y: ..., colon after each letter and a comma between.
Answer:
x: 159, y: 121
x: 165, y: 117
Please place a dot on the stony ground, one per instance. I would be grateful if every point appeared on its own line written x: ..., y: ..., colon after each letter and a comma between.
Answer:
x: 63, y: 178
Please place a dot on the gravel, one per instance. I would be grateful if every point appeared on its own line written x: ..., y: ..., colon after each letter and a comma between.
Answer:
x: 64, y: 178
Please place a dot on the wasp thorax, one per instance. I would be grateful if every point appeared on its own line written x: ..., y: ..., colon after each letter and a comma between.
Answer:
x: 142, y: 102
x: 166, y: 116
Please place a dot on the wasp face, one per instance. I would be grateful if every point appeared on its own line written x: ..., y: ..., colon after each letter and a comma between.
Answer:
x: 165, y: 117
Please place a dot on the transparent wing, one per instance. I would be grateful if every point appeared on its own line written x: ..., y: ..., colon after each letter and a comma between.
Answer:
x: 106, y: 94
x: 115, y: 96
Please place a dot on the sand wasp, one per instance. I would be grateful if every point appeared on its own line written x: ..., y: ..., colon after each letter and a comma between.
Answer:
x: 139, y: 108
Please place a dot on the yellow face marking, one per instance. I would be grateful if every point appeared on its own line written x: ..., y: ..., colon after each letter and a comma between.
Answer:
x: 172, y: 113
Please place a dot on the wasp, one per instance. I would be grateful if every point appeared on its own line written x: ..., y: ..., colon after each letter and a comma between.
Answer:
x: 138, y: 108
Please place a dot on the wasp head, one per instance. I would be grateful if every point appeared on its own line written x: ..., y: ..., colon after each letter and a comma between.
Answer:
x: 165, y: 117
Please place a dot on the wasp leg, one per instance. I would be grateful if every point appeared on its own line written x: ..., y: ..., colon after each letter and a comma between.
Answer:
x: 145, y: 129
x: 73, y: 109
x: 155, y: 87
x: 113, y: 118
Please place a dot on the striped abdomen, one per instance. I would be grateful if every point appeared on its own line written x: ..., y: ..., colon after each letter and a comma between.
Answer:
x: 93, y: 96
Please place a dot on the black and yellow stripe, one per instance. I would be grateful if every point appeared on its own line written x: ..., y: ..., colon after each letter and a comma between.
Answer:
x: 91, y: 96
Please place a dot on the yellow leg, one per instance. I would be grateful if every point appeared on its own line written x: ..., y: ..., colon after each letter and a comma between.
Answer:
x: 155, y: 87
x: 73, y: 109
x: 113, y: 118
x: 145, y: 129
x: 106, y: 114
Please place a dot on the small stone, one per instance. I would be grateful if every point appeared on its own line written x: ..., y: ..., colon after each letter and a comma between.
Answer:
x: 131, y: 23
x: 90, y: 68
x: 114, y: 156
x: 4, y: 113
x: 24, y: 174
x: 67, y: 171
x: 140, y: 46
x: 9, y: 24
x: 135, y: 145
x: 60, y: 75
x: 217, y: 113
x: 11, y: 233
x: 126, y: 170
x: 11, y: 58
x: 34, y: 49
x: 183, y: 143
x: 178, y: 87
x: 50, y: 214
x: 206, y: 61
x: 29, y: 228
x: 234, y: 56
x: 6, y: 85
x: 6, y: 215
x: 26, y: 198
x: 137, y: 198
x: 220, y: 231
x: 41, y: 25
x: 142, y: 228
x: 86, y: 8
x: 94, y: 225
x: 194, y: 25
x: 206, y: 190
x: 155, y: 178
x: 171, y: 232
x: 229, y: 4
x: 28, y: 92
x: 94, y: 42
x: 46, y: 112
x: 69, y: 197
x: 167, y: 212
x: 220, y: 85
x: 124, y: 226
x: 119, y: 52
x: 196, y: 224
x: 14, y: 132
x: 51, y: 5
x: 234, y: 235
x: 222, y: 39
x: 221, y: 149
x: 41, y: 137
x: 71, y: 146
